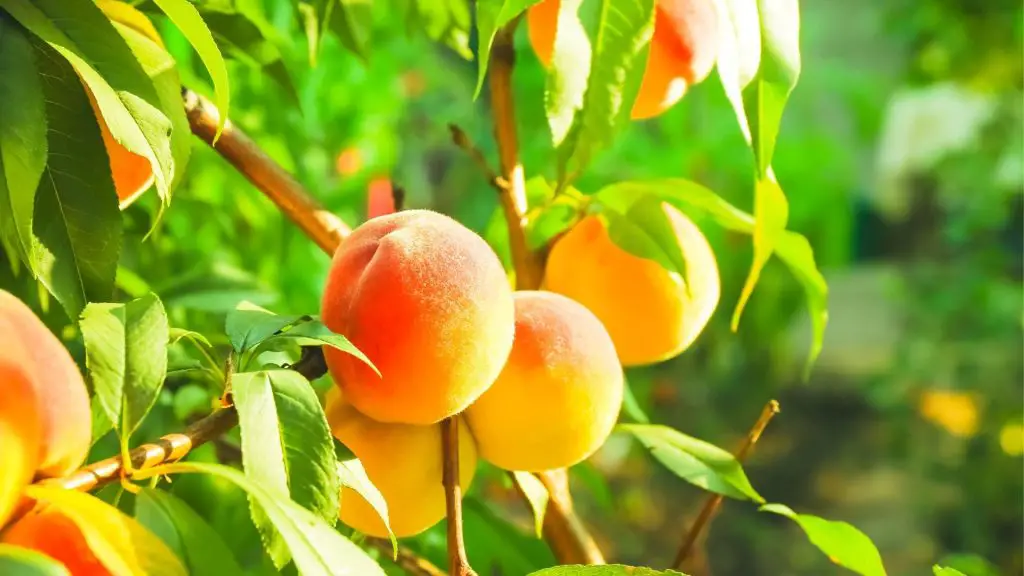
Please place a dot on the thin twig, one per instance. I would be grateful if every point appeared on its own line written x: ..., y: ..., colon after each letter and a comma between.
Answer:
x: 513, y: 195
x: 407, y: 559
x: 458, y: 563
x: 715, y: 500
x: 565, y: 533
x: 176, y: 446
x: 325, y: 228
x: 462, y: 140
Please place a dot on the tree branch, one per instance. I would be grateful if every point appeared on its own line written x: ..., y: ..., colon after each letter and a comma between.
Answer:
x: 513, y: 195
x: 458, y: 564
x: 323, y: 227
x: 407, y: 560
x: 715, y: 500
x: 176, y: 446
x: 563, y: 530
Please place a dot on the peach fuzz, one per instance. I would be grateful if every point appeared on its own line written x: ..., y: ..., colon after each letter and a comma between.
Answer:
x: 428, y: 302
x: 61, y: 397
x: 682, y: 52
x: 651, y: 313
x: 404, y: 462
x: 558, y: 396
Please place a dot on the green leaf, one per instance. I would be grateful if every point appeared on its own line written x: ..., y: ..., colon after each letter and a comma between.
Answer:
x: 969, y: 564
x: 491, y: 15
x: 841, y: 542
x: 942, y: 571
x: 352, y: 22
x: 566, y: 82
x: 187, y: 19
x: 314, y: 333
x: 536, y: 494
x: 353, y: 475
x: 496, y: 546
x: 124, y: 93
x: 18, y: 561
x: 315, y: 546
x: 286, y: 445
x: 101, y: 423
x: 248, y: 325
x: 77, y: 225
x: 186, y: 533
x: 22, y: 137
x: 771, y: 214
x: 621, y: 37
x: 631, y: 406
x: 699, y: 463
x: 176, y: 334
x: 556, y: 216
x: 126, y: 353
x: 447, y: 22
x: 607, y: 570
x: 701, y: 204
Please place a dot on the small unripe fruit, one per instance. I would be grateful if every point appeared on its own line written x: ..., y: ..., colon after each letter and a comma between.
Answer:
x: 428, y: 302
x: 651, y: 313
x: 558, y: 396
x: 405, y: 462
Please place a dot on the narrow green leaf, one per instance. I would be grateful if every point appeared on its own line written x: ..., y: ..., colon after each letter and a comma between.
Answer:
x: 607, y: 570
x: 77, y: 225
x: 496, y: 546
x: 353, y: 475
x: 566, y: 82
x: 187, y: 19
x: 491, y: 15
x: 200, y: 547
x: 22, y: 137
x: 18, y: 561
x: 126, y: 354
x: 101, y: 423
x: 315, y: 546
x: 242, y: 32
x: 699, y: 463
x: 286, y: 444
x: 176, y: 334
x: 537, y: 495
x: 248, y: 325
x: 631, y: 406
x: 123, y: 92
x: 352, y: 22
x: 621, y: 39
x: 771, y: 214
x: 841, y: 542
x: 314, y: 333
x: 556, y: 216
x: 943, y: 571
x: 796, y: 252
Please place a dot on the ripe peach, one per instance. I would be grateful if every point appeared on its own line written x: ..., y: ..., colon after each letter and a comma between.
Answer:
x: 48, y: 531
x: 404, y: 462
x: 21, y: 429
x: 427, y: 301
x: 61, y: 398
x: 559, y: 394
x: 682, y: 52
x: 652, y: 314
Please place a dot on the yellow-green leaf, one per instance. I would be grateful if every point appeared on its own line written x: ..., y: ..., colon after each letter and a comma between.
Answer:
x: 771, y: 213
x: 537, y: 495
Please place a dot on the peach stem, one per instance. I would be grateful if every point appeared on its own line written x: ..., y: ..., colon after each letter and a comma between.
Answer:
x: 458, y: 563
x: 714, y: 500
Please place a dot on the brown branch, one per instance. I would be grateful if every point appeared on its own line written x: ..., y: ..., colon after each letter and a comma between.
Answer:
x: 176, y: 446
x: 513, y: 195
x: 715, y: 500
x: 564, y: 532
x: 458, y: 563
x: 407, y: 559
x: 462, y: 140
x: 323, y: 227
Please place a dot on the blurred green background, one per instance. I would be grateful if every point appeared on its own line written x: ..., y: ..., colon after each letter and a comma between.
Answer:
x: 901, y: 154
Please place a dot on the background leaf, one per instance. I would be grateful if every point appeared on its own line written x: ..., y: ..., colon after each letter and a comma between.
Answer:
x: 315, y: 546
x: 352, y: 475
x: 314, y: 333
x: 17, y: 561
x: 699, y: 463
x: 286, y: 444
x: 352, y: 22
x: 841, y: 542
x: 943, y: 571
x: 126, y: 353
x: 491, y: 15
x: 609, y: 570
x: 195, y: 542
x: 248, y: 325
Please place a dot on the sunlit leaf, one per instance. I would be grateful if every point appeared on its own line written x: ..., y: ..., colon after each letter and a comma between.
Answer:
x: 248, y: 325
x: 844, y: 544
x: 608, y: 570
x: 18, y: 561
x: 314, y: 333
x: 119, y: 542
x: 491, y: 15
x: 187, y: 19
x: 126, y: 354
x: 771, y: 214
x: 352, y: 22
x: 702, y: 464
x: 315, y: 546
x: 184, y: 531
x: 287, y: 445
x: 353, y: 476
x: 536, y: 494
x: 22, y: 137
x: 943, y: 571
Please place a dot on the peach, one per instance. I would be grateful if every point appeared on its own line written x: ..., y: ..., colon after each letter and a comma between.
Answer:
x: 404, y: 462
x: 558, y: 396
x: 21, y: 429
x: 427, y: 301
x: 683, y: 49
x: 46, y: 530
x: 62, y: 399
x: 651, y: 313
